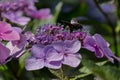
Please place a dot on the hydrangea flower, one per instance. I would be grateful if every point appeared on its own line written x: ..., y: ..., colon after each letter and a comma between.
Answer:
x: 16, y: 17
x: 43, y: 56
x: 98, y: 45
x: 69, y: 49
x: 54, y: 45
x: 14, y: 10
x: 58, y: 43
x: 7, y: 32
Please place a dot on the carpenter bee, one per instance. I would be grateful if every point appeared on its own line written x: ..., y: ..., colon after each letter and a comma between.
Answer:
x: 73, y: 25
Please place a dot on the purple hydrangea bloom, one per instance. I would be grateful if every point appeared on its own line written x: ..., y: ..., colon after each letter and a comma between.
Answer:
x: 15, y: 9
x: 98, y: 45
x: 69, y: 49
x: 16, y: 48
x: 49, y: 33
x: 43, y: 56
x: 16, y: 5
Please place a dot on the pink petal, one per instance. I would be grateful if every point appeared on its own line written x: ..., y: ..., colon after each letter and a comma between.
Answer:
x: 4, y: 27
x: 13, y: 35
x: 43, y: 14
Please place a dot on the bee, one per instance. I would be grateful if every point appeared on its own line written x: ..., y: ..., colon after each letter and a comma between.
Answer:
x: 73, y: 24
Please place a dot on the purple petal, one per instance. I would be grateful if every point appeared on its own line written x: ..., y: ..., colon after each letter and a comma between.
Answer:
x: 34, y: 64
x: 41, y: 14
x: 52, y: 54
x: 72, y: 60
x: 103, y: 45
x: 59, y: 46
x: 98, y: 52
x: 17, y: 17
x: 100, y: 41
x: 53, y: 64
x: 108, y: 53
x: 11, y: 36
x: 22, y: 20
x: 19, y: 30
x: 38, y: 51
x: 89, y: 43
x: 72, y: 46
x: 4, y: 53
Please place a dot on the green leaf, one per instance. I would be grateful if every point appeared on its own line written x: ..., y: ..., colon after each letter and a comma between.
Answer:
x: 22, y: 62
x: 22, y: 59
x: 104, y: 72
x: 80, y: 76
x: 56, y: 73
x: 3, y: 67
x: 57, y: 11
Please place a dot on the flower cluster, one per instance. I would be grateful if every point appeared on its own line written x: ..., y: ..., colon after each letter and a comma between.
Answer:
x: 55, y: 45
x: 14, y: 11
x: 7, y: 33
x: 13, y: 14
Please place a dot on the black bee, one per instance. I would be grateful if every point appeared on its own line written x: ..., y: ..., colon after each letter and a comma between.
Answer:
x: 73, y: 25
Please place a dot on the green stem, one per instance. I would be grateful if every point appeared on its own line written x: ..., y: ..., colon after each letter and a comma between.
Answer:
x: 59, y: 73
x: 62, y: 73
